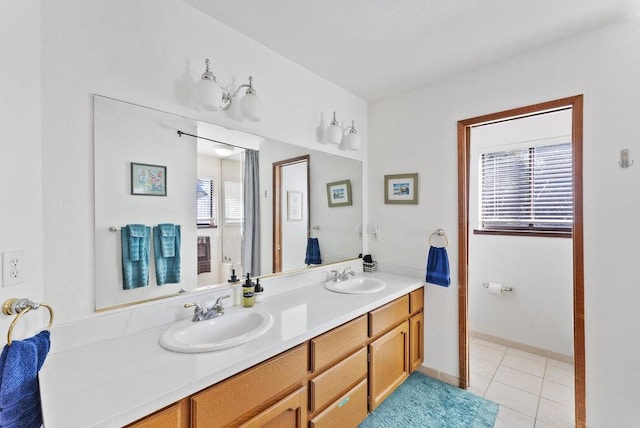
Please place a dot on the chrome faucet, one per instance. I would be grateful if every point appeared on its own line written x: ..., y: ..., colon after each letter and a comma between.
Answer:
x: 337, y: 276
x: 214, y: 311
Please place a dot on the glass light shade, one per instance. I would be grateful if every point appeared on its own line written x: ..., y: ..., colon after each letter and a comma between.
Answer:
x: 209, y: 94
x: 251, y: 107
x: 223, y: 151
x: 333, y: 134
x: 352, y: 141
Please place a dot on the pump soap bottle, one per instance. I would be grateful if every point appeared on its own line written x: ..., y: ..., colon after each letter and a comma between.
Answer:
x: 236, y: 287
x: 258, y: 291
x: 248, y: 292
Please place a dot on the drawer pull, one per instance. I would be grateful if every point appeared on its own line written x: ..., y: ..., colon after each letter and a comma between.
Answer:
x: 343, y: 402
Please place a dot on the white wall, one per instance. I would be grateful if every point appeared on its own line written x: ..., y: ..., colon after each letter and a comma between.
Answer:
x: 604, y: 65
x: 294, y: 232
x: 539, y: 310
x: 149, y: 52
x: 21, y: 154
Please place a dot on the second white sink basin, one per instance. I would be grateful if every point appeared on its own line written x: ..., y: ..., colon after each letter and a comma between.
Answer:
x: 225, y: 331
x: 356, y: 285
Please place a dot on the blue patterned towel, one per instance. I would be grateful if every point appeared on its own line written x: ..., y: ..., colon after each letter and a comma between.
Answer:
x: 313, y: 252
x: 168, y: 239
x: 438, y: 267
x: 167, y: 268
x: 135, y: 256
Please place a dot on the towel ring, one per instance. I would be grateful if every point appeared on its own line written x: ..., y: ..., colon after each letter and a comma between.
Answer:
x: 439, y: 232
x: 22, y: 306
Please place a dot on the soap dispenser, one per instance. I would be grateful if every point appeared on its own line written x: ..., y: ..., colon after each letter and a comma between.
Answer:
x: 258, y: 291
x: 236, y: 288
x: 248, y: 292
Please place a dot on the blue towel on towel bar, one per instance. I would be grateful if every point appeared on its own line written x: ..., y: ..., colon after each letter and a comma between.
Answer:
x: 20, y: 363
x: 135, y: 256
x: 438, y: 267
x: 168, y: 239
x: 313, y: 252
x: 167, y: 268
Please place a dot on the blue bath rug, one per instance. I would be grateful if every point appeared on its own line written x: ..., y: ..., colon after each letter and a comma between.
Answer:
x: 422, y: 401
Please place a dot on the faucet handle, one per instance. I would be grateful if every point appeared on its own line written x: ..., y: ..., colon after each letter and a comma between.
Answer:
x: 191, y: 305
x: 219, y: 299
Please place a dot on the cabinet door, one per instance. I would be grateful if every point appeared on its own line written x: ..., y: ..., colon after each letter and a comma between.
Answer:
x: 290, y: 412
x: 173, y: 416
x: 388, y: 363
x: 416, y: 342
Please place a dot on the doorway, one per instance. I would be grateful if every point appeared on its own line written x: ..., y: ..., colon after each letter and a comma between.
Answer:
x: 464, y: 150
x: 290, y: 213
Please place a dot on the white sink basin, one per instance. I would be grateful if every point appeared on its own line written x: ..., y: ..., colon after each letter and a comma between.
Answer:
x: 225, y: 331
x: 356, y: 285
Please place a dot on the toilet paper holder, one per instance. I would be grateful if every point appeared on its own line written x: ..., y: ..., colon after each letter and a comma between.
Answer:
x: 503, y: 289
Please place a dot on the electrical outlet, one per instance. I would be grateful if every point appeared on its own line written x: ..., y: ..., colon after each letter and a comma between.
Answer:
x: 12, y: 268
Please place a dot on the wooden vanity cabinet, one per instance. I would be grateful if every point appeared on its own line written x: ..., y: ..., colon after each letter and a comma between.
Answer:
x: 334, y: 379
x: 173, y: 416
x: 253, y: 395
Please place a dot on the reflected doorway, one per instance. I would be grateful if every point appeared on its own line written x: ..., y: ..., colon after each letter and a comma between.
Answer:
x: 290, y: 213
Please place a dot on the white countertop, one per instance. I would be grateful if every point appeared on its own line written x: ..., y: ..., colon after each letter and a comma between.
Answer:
x: 117, y: 381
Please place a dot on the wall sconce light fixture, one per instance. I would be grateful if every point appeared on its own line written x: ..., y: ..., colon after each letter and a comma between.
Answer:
x: 212, y: 96
x: 334, y: 134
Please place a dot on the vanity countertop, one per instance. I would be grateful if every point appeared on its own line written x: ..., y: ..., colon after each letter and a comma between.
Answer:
x: 117, y: 381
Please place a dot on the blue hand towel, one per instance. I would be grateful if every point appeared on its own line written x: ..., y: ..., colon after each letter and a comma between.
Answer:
x: 135, y: 270
x: 438, y: 267
x: 168, y: 239
x: 167, y: 268
x: 20, y: 363
x: 135, y: 237
x: 313, y: 252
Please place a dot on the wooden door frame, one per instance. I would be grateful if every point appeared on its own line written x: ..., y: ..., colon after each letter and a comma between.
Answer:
x: 464, y: 142
x: 276, y: 249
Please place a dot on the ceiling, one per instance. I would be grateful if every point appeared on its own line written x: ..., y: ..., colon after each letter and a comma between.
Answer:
x: 376, y: 48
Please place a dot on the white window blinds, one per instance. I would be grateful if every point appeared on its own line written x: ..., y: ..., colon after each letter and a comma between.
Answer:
x: 233, y: 207
x: 529, y: 188
x: 206, y: 203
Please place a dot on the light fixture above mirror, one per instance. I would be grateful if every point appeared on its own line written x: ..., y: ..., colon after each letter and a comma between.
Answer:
x: 334, y: 134
x: 212, y: 96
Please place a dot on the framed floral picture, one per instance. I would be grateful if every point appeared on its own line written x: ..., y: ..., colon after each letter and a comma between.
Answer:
x: 148, y: 180
x: 401, y: 189
x: 339, y: 193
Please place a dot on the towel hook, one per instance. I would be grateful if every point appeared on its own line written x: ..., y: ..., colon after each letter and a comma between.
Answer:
x: 439, y: 232
x: 20, y: 307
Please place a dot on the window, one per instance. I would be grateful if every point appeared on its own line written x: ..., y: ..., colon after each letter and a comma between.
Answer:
x: 206, y: 211
x: 528, y: 189
x: 233, y: 211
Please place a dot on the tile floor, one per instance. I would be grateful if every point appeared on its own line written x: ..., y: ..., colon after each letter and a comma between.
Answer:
x: 533, y: 391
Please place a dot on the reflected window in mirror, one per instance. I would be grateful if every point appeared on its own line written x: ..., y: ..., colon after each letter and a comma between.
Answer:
x: 206, y: 200
x: 232, y: 202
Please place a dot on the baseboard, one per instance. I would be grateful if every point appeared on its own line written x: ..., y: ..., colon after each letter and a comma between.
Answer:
x: 441, y: 376
x: 522, y: 347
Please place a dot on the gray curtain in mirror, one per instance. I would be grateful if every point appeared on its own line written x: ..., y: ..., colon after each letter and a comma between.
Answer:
x: 251, y: 222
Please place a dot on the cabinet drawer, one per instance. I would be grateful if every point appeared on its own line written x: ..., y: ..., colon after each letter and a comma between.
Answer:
x: 335, y: 344
x: 246, y: 393
x: 347, y: 411
x: 389, y: 315
x: 173, y: 416
x: 416, y: 300
x: 329, y: 385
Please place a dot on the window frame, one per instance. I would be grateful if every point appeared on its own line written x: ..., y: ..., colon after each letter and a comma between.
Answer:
x: 211, y: 222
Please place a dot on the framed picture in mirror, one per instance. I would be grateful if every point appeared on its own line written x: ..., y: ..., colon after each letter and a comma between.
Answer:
x: 294, y: 205
x: 148, y: 180
x: 339, y: 193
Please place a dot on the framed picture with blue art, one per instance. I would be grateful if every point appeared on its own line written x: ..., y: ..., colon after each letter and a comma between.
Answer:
x: 339, y: 193
x: 148, y: 180
x: 401, y: 189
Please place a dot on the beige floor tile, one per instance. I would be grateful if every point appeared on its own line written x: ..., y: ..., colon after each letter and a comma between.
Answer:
x: 541, y: 424
x: 555, y: 414
x: 524, y: 354
x: 513, y: 398
x: 486, y: 353
x: 557, y: 392
x: 526, y: 365
x: 482, y: 367
x: 478, y: 384
x: 561, y: 364
x: 559, y: 375
x: 508, y: 418
x: 518, y: 379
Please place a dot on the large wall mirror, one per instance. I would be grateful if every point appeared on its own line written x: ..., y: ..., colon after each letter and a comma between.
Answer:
x: 175, y: 212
